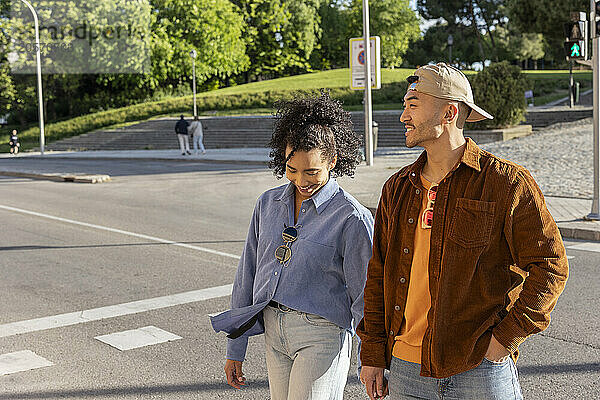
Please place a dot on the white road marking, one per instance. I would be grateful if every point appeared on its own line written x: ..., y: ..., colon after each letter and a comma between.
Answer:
x: 20, y: 361
x: 105, y: 228
x: 136, y: 338
x: 96, y: 314
x: 587, y: 246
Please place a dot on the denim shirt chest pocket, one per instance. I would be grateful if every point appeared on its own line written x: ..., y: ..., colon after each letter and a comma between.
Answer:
x: 472, y: 223
x: 313, y: 257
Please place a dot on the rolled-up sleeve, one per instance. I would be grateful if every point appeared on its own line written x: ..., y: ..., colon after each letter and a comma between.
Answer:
x: 536, y: 246
x: 357, y: 243
x: 242, y: 294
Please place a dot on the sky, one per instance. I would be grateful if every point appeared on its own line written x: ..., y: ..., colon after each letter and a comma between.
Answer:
x: 426, y: 23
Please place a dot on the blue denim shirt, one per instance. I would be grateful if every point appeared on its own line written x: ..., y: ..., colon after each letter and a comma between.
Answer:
x: 327, y: 271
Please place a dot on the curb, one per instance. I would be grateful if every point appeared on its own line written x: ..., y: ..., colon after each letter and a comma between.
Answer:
x: 59, y: 177
x: 204, y: 160
x: 575, y: 230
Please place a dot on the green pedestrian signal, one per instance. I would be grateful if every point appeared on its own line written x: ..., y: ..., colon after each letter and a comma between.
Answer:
x: 575, y: 50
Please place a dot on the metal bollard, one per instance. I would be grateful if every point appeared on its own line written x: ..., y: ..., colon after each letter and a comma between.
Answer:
x: 375, y: 133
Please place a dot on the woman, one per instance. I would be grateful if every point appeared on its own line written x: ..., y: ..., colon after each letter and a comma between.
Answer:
x: 301, y: 276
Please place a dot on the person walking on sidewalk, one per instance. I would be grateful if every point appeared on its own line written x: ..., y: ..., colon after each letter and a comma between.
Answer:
x: 181, y: 129
x: 197, y: 135
x: 301, y: 276
x: 13, y: 142
x: 467, y: 260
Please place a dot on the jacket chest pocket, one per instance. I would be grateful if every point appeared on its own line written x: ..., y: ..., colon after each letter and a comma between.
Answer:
x: 472, y: 222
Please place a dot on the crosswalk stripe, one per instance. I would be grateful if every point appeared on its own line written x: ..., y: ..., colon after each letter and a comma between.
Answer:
x: 108, y: 229
x: 136, y: 338
x: 20, y: 361
x: 96, y: 314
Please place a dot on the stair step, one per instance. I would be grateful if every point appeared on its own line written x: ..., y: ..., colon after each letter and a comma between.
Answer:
x: 219, y: 132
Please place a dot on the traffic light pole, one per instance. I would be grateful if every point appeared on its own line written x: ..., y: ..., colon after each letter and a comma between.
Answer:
x: 595, y: 214
x: 571, y: 94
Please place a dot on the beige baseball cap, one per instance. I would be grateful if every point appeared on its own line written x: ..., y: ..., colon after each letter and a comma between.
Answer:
x: 446, y: 82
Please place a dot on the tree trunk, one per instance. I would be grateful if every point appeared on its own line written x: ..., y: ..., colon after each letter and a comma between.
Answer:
x: 487, y: 28
x: 479, y: 43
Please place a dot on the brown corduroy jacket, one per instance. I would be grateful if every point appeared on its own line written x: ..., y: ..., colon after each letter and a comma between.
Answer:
x: 497, y: 263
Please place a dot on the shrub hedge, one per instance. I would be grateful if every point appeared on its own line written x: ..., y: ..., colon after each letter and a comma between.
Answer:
x: 499, y: 89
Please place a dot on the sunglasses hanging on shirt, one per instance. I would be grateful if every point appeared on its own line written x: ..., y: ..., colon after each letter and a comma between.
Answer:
x: 284, y: 252
x: 427, y: 216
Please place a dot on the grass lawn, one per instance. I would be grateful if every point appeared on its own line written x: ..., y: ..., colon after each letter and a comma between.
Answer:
x: 341, y: 78
x: 558, y: 74
x: 316, y: 80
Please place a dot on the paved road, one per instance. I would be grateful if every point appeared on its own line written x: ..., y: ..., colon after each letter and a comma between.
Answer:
x: 165, y: 228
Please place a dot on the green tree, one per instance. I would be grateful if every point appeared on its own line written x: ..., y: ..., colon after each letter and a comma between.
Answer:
x: 517, y: 46
x: 280, y: 36
x: 545, y: 17
x: 212, y: 27
x: 433, y: 46
x: 478, y: 16
x: 332, y: 49
x: 301, y: 36
x: 394, y: 21
x: 7, y: 90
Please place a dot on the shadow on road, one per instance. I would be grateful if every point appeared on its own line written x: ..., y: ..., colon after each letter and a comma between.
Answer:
x: 261, y: 384
x: 558, y: 369
x: 91, y: 246
x: 123, y: 167
x: 132, y: 390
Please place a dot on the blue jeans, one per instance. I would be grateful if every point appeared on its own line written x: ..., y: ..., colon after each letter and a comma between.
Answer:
x: 487, y: 381
x: 197, y: 142
x: 308, y: 357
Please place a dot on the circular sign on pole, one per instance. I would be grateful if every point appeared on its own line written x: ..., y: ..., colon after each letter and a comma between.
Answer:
x: 361, y: 57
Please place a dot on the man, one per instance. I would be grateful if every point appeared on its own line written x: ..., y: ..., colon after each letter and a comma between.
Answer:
x: 467, y: 261
x: 181, y: 129
x: 197, y: 135
x: 13, y: 142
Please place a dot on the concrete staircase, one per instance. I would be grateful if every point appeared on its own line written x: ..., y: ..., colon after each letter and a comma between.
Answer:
x: 255, y: 131
x: 219, y: 132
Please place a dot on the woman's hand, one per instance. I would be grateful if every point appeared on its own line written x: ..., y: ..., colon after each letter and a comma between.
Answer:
x: 234, y: 374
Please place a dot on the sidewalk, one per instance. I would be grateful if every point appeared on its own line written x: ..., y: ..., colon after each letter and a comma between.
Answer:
x: 366, y: 186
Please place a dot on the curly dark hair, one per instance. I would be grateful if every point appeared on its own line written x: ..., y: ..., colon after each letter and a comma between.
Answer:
x: 314, y: 122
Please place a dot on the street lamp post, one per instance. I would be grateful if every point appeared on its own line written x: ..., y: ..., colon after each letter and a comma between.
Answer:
x: 39, y: 74
x: 368, y: 99
x: 193, y: 54
x: 450, y: 43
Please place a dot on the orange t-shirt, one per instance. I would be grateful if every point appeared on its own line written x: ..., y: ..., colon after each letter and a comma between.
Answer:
x: 407, y: 346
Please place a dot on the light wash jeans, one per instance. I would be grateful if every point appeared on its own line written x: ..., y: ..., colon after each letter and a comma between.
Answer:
x: 488, y: 381
x: 184, y: 143
x: 308, y: 357
x: 197, y: 141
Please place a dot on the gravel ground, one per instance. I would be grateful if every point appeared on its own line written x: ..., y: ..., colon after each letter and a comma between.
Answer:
x: 560, y: 157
